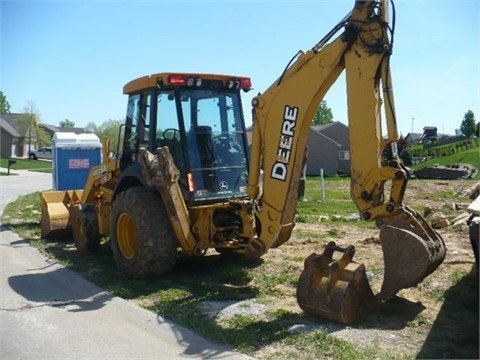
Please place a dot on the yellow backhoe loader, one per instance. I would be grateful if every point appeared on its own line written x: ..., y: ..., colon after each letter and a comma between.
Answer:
x: 182, y: 181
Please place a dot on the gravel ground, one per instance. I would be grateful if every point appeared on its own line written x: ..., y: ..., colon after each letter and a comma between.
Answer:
x: 434, y: 317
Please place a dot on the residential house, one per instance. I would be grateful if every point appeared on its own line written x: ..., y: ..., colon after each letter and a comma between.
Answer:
x: 15, y: 140
x: 328, y: 149
x: 14, y: 144
x: 432, y: 139
x: 52, y: 129
x: 413, y: 138
x: 9, y: 137
x: 429, y: 135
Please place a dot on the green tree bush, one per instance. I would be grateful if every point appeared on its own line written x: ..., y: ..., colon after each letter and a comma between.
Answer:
x: 407, y: 157
x: 67, y: 123
x: 109, y: 128
x: 323, y: 115
x: 468, y: 124
x: 4, y: 104
x: 29, y: 125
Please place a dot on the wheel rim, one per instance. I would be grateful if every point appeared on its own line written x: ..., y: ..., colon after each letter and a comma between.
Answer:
x: 126, y: 236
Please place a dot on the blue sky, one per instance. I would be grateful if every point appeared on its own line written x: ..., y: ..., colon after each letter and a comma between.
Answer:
x: 71, y: 59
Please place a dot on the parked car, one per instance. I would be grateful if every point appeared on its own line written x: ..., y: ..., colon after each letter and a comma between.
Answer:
x: 41, y: 153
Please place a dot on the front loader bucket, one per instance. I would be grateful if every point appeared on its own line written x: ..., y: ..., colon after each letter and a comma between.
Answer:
x: 56, y: 211
x: 412, y: 250
x: 334, y: 289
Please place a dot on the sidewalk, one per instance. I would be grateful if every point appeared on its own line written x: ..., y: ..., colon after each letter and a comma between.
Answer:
x: 50, y: 312
x: 21, y: 182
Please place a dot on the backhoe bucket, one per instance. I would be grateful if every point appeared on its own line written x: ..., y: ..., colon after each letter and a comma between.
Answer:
x: 56, y: 207
x: 412, y: 250
x: 334, y: 289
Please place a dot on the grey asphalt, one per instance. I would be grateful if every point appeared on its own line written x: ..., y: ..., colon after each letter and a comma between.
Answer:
x: 50, y: 312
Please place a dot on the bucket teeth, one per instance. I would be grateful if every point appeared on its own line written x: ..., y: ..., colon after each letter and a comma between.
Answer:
x: 339, y: 289
x: 334, y: 289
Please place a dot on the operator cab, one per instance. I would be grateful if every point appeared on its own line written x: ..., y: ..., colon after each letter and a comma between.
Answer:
x: 199, y: 117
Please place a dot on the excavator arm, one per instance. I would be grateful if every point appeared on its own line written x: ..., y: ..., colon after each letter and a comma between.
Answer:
x: 282, y: 117
x: 287, y: 108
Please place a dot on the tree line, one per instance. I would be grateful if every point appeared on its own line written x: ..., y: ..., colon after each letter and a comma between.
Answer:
x: 29, y: 124
x: 30, y: 120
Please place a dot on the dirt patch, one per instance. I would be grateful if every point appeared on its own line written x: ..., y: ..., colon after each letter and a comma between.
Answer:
x: 438, y: 318
x: 416, y: 320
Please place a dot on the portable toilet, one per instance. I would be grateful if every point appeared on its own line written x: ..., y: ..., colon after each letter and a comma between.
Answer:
x: 73, y: 155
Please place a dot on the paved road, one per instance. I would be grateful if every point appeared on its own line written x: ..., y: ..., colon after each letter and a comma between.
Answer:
x: 49, y: 312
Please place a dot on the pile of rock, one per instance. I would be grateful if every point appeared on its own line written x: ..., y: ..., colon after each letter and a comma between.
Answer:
x: 458, y: 218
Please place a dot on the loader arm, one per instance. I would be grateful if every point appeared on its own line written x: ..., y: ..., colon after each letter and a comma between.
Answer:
x: 282, y: 117
x: 58, y: 206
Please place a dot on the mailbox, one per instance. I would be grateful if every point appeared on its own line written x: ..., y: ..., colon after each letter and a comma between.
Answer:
x: 10, y: 163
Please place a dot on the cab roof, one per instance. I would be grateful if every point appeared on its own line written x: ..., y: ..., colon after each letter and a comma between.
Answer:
x: 179, y: 79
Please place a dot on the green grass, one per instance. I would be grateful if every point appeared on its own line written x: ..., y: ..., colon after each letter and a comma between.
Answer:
x: 470, y: 156
x: 332, y: 204
x: 334, y: 190
x: 26, y: 164
x: 177, y: 295
x: 194, y: 280
x: 439, y: 150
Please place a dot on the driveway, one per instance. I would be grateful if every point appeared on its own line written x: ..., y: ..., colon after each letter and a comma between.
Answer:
x: 49, y: 312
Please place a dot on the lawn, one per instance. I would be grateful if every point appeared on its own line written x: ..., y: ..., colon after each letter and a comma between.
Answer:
x: 470, y: 157
x: 26, y: 164
x: 196, y: 281
x: 322, y: 216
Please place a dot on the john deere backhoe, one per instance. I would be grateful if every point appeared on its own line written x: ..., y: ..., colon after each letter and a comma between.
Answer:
x: 180, y: 183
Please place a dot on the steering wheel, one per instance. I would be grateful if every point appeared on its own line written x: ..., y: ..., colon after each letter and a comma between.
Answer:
x: 171, y: 134
x: 221, y: 139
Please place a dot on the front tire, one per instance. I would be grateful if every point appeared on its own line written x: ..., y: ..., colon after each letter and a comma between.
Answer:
x: 142, y: 238
x: 85, y: 229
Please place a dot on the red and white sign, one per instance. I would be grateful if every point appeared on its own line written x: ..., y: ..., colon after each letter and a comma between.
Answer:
x: 79, y: 163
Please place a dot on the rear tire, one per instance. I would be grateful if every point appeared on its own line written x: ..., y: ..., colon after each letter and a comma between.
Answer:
x: 85, y: 229
x: 142, y: 238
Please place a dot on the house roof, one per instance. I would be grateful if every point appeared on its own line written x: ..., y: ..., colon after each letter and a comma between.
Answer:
x: 54, y: 129
x: 413, y: 136
x: 10, y: 123
x: 319, y: 133
x: 11, y: 118
x: 318, y: 129
x: 322, y: 127
x: 5, y: 125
